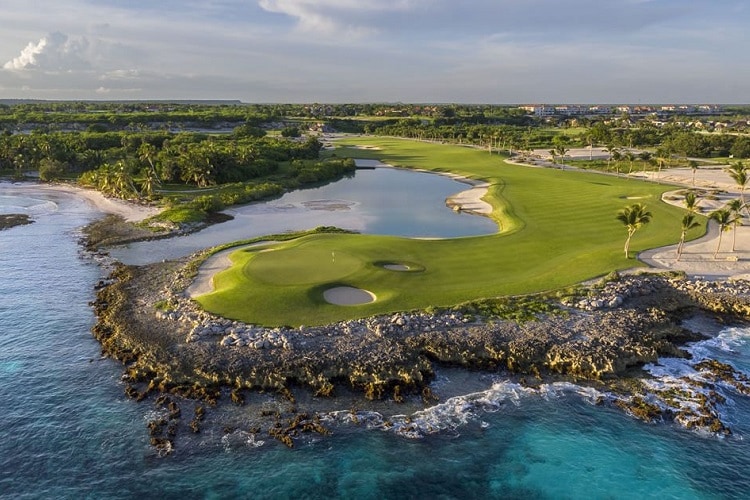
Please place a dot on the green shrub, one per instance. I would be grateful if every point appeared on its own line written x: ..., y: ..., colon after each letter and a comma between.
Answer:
x: 207, y: 203
x: 50, y: 170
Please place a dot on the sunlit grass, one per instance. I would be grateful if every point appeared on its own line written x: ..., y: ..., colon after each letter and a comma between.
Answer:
x: 558, y: 228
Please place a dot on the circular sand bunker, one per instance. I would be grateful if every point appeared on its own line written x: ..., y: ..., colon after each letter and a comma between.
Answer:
x: 348, y: 296
x: 397, y: 267
x: 402, y: 266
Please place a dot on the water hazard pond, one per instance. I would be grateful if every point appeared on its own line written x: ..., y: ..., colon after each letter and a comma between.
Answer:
x: 381, y: 200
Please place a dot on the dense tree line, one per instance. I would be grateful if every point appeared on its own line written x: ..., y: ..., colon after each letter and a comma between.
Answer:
x: 194, y: 159
x: 116, y: 115
x: 121, y: 136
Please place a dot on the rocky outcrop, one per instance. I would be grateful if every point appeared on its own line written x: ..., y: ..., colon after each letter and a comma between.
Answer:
x: 610, y: 329
x: 8, y: 221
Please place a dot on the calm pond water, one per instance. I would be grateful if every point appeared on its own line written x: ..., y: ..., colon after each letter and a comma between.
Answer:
x: 374, y: 201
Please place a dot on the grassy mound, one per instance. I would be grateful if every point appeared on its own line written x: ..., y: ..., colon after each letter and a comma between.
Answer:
x: 558, y: 228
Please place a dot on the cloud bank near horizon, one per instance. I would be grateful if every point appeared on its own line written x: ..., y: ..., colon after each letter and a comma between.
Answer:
x: 500, y: 51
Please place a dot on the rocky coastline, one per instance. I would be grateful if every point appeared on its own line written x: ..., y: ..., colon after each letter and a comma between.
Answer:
x: 8, y: 221
x: 601, y: 336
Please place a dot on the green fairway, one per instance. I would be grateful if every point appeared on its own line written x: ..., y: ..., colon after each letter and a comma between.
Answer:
x: 558, y: 228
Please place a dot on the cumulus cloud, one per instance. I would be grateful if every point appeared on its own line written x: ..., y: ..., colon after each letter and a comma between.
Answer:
x: 54, y: 52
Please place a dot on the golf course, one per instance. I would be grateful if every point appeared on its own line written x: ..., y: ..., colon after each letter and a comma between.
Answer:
x: 556, y: 228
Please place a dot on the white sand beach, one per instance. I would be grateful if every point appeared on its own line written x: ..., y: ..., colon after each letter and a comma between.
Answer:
x: 131, y: 212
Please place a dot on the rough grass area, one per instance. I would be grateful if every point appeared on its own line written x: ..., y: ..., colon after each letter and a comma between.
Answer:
x: 558, y: 228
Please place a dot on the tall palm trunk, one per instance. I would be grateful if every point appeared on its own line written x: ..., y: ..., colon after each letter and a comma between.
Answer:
x: 718, y: 245
x: 680, y: 245
x: 627, y: 243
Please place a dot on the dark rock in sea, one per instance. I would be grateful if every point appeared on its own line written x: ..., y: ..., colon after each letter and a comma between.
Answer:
x: 163, y: 446
x: 200, y: 412
x: 194, y: 426
x: 174, y: 410
x: 8, y: 221
x: 237, y: 397
x: 302, y: 423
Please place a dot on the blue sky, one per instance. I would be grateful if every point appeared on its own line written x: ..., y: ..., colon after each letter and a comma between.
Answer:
x: 473, y: 51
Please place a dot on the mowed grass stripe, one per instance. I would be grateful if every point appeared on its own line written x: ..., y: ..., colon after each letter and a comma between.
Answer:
x: 558, y: 228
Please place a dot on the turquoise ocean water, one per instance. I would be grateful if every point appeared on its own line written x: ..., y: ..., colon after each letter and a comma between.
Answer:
x: 67, y: 430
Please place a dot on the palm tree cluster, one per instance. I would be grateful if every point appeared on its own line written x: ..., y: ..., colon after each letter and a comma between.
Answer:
x: 738, y: 172
x: 114, y: 180
x: 689, y: 220
x: 729, y: 217
x: 726, y: 220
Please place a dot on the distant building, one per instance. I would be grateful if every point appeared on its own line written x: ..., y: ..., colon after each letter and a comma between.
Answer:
x: 544, y: 110
x: 539, y: 110
x: 570, y: 110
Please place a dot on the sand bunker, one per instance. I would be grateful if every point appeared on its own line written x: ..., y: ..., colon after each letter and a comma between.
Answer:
x: 348, y: 296
x: 397, y: 267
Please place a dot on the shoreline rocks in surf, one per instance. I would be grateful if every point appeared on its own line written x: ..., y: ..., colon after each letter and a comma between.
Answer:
x: 8, y: 221
x: 170, y: 345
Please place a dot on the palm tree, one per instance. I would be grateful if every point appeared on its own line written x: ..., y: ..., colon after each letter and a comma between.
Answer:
x: 691, y: 202
x: 123, y: 181
x: 150, y: 183
x: 552, y: 153
x: 590, y: 142
x: 633, y: 217
x: 630, y: 157
x: 688, y: 223
x: 611, y: 150
x: 147, y: 152
x: 694, y: 167
x: 738, y: 172
x: 725, y: 218
x: 735, y: 206
x: 662, y: 158
x: 561, y: 150
x: 617, y: 156
x: 105, y: 179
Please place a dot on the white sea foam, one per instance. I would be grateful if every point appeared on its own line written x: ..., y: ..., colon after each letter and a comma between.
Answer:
x: 459, y: 411
x: 672, y: 368
x: 676, y: 384
x: 26, y: 205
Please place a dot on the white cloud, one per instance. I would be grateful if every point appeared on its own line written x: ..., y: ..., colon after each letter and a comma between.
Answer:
x: 54, y: 52
x: 334, y: 16
x: 121, y: 74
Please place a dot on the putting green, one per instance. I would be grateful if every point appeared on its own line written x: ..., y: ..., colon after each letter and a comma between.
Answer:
x: 558, y: 229
x: 291, y: 265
